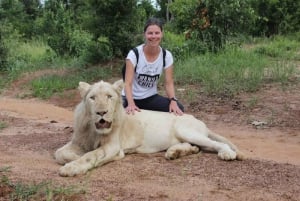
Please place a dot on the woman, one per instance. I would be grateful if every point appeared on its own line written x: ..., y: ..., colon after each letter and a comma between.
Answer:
x: 141, y: 77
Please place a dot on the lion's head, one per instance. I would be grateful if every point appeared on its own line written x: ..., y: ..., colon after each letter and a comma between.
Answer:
x: 102, y: 101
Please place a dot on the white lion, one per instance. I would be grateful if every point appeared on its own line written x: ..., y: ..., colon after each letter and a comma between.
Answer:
x: 103, y: 132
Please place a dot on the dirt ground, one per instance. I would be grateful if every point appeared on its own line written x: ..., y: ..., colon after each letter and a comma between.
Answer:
x: 265, y: 125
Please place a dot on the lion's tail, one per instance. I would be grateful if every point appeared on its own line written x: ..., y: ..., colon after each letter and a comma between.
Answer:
x: 216, y: 137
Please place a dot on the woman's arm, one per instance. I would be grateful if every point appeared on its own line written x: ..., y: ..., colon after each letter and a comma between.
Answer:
x: 129, y: 75
x: 170, y: 90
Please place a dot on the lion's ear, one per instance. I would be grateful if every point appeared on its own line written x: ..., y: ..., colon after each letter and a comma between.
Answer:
x: 83, y: 88
x: 118, y: 85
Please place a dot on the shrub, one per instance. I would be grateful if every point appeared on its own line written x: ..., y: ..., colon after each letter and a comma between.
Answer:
x: 176, y: 44
x: 80, y: 41
x: 3, y: 55
x: 212, y: 22
x: 100, y: 50
x: 276, y: 17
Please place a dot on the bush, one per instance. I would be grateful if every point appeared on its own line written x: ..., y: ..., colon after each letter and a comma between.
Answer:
x: 80, y: 41
x: 212, y: 23
x: 176, y: 44
x: 276, y: 17
x: 3, y: 55
x: 5, y: 31
x: 97, y: 51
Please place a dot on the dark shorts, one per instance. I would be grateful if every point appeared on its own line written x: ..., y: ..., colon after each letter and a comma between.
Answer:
x: 155, y: 102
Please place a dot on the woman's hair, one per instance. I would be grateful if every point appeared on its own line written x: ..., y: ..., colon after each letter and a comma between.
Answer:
x: 153, y: 21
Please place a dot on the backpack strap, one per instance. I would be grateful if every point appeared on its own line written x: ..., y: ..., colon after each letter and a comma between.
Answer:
x: 136, y: 52
x: 164, y: 57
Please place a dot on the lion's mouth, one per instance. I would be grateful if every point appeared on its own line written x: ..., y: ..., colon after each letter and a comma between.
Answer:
x: 102, y: 124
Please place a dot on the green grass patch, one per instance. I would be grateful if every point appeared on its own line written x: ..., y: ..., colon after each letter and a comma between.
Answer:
x: 3, y: 125
x: 29, y: 55
x: 36, y: 191
x: 243, y: 69
x: 233, y: 70
x: 43, y: 191
x: 45, y: 86
x: 224, y: 73
x: 279, y: 47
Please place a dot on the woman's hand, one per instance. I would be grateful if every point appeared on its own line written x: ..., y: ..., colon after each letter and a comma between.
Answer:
x: 130, y: 109
x: 174, y: 108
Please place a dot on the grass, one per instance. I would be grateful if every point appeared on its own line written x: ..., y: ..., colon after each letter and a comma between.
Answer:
x: 45, y: 86
x: 279, y: 47
x: 36, y: 191
x: 236, y: 70
x: 224, y: 73
x: 3, y: 125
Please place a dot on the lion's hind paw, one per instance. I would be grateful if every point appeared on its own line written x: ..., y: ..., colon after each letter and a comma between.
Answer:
x: 227, y: 155
x: 179, y: 150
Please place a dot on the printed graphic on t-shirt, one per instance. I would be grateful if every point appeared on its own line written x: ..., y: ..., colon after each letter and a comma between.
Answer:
x: 149, y: 69
x: 147, y: 81
x: 149, y: 76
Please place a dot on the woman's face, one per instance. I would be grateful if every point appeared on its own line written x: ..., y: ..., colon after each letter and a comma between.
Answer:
x: 153, y: 35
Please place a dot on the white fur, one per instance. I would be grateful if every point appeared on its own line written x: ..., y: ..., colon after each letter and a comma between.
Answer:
x: 119, y: 133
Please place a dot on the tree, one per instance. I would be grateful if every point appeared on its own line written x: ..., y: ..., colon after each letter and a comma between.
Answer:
x: 21, y: 14
x: 212, y: 22
x: 147, y: 7
x: 119, y: 20
x: 276, y: 17
x: 3, y: 52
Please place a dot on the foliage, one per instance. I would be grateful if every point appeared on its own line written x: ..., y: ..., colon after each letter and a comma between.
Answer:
x: 3, y: 52
x: 80, y: 40
x: 235, y: 70
x: 22, y: 56
x: 120, y: 21
x: 276, y: 17
x: 36, y: 191
x: 147, y: 7
x: 74, y: 33
x: 279, y: 48
x: 176, y: 44
x: 3, y: 125
x: 163, y: 8
x: 21, y: 14
x: 45, y: 86
x: 211, y: 21
x: 29, y: 55
x: 225, y: 73
x: 100, y: 50
x: 57, y: 26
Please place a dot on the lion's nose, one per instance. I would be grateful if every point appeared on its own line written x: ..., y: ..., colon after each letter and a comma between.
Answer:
x: 101, y: 113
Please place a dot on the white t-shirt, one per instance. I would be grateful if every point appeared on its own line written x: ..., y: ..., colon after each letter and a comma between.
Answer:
x: 147, y: 73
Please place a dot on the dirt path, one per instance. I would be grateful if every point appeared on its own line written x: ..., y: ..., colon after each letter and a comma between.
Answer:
x: 272, y: 172
x: 256, y: 143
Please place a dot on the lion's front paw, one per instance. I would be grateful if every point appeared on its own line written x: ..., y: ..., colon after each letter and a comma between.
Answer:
x: 227, y: 154
x: 71, y: 169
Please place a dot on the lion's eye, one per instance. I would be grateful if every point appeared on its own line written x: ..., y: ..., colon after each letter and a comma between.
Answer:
x: 92, y: 97
x: 109, y: 96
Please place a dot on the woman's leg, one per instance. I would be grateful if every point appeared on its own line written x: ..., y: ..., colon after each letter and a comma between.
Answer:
x: 156, y: 103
